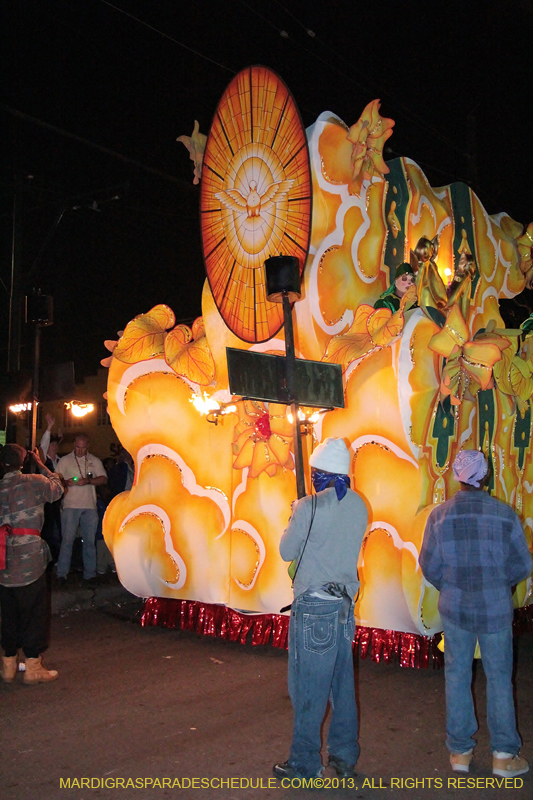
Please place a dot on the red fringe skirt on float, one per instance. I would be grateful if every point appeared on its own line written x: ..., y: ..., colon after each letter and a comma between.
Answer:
x: 208, y: 619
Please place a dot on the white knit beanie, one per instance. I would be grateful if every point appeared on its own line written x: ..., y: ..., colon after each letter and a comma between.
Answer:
x: 331, y: 456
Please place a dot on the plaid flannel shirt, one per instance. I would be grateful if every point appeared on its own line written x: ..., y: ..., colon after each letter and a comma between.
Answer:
x: 474, y: 550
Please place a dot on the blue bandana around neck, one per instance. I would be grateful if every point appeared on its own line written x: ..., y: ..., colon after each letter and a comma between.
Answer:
x: 322, y: 479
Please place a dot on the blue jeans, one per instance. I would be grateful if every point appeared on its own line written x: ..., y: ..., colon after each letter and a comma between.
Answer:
x: 87, y: 519
x: 497, y: 658
x: 321, y: 669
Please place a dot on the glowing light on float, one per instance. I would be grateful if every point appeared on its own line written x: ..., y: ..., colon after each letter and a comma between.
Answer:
x: 79, y: 409
x: 211, y: 408
x: 308, y: 417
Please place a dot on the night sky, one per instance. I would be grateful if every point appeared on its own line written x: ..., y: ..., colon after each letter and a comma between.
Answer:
x: 454, y: 76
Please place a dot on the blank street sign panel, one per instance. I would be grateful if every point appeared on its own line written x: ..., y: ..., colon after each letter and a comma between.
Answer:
x: 263, y: 377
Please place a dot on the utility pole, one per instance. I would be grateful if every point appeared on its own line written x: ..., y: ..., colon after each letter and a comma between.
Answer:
x: 15, y: 293
x: 40, y: 313
x: 291, y: 387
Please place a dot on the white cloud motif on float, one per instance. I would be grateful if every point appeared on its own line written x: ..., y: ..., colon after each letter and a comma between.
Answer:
x: 163, y: 517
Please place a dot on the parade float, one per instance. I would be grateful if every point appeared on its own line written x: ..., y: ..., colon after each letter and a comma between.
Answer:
x: 425, y: 374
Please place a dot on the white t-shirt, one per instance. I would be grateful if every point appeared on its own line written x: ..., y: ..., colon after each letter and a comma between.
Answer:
x: 71, y: 466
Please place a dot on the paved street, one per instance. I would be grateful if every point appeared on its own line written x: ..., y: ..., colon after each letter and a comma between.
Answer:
x: 153, y: 704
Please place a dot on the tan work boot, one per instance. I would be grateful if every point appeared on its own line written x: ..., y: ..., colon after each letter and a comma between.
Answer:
x: 506, y: 765
x: 460, y: 762
x: 36, y: 672
x: 9, y: 668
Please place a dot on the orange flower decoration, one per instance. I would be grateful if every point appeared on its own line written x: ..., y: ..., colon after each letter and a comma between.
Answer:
x: 469, y: 363
x: 514, y: 373
x: 263, y: 438
x: 368, y: 137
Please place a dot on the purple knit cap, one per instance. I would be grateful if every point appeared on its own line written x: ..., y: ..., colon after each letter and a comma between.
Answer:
x: 470, y: 466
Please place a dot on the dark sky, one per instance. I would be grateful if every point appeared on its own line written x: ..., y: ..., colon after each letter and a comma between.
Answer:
x: 455, y: 76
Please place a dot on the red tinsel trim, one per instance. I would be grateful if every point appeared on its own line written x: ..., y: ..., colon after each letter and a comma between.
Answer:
x: 410, y: 649
x: 207, y: 619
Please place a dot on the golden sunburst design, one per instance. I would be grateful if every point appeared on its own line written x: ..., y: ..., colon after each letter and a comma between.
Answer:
x: 255, y: 200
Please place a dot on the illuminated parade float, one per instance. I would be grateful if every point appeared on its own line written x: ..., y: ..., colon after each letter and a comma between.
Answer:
x: 428, y: 371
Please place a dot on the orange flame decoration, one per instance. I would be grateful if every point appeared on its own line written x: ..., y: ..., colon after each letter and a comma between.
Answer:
x: 525, y: 248
x: 368, y: 137
x: 195, y: 144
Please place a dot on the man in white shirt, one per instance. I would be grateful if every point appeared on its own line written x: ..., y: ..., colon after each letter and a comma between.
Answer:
x: 81, y: 472
x: 50, y: 445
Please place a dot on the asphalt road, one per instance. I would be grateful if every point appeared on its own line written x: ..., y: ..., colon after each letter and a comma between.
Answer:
x: 156, y: 705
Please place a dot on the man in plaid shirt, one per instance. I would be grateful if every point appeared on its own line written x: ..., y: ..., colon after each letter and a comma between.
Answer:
x: 474, y: 551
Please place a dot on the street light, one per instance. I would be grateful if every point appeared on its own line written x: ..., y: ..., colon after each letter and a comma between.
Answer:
x: 18, y: 407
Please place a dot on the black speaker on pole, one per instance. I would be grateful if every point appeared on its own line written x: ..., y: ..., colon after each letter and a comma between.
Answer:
x: 282, y: 276
x: 40, y: 309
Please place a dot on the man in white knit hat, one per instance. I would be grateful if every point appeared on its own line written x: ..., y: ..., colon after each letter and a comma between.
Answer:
x: 324, y: 538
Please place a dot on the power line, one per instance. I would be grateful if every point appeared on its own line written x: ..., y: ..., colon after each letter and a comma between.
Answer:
x: 409, y: 113
x: 34, y: 120
x: 389, y: 151
x: 167, y: 36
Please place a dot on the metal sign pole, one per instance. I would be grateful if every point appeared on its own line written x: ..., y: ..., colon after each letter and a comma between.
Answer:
x: 35, y: 387
x: 296, y: 431
x: 285, y: 379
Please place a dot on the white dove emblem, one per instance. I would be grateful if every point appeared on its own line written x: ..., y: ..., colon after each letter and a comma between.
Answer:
x: 254, y: 203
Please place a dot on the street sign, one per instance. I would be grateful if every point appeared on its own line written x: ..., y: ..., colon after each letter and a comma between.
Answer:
x: 264, y: 377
